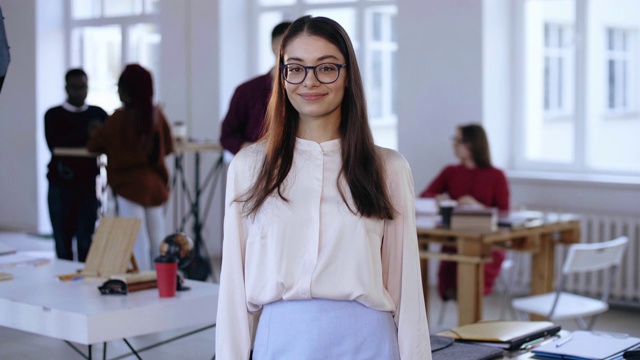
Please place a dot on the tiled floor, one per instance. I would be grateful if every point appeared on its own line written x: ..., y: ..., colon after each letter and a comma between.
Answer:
x: 20, y: 345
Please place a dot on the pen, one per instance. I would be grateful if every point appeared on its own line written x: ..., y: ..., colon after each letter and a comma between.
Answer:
x: 563, y: 341
x: 538, y: 342
x: 70, y: 277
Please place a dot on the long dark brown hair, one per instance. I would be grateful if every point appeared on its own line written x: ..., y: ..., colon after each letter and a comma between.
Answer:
x: 361, y: 165
x: 476, y: 138
x: 136, y: 88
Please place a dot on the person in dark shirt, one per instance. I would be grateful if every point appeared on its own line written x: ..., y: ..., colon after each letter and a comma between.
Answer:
x: 243, y: 124
x: 73, y: 199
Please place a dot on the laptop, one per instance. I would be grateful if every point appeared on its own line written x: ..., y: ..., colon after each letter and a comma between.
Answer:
x: 509, y: 335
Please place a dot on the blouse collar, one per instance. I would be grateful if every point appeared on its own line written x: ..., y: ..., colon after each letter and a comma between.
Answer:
x: 75, y: 109
x: 304, y: 144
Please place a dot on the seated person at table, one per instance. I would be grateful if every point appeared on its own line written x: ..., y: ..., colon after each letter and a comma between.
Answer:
x: 472, y: 182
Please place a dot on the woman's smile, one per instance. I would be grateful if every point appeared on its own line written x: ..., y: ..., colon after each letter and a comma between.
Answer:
x: 312, y: 96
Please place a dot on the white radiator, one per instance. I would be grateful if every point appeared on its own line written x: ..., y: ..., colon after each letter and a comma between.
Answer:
x: 596, y: 228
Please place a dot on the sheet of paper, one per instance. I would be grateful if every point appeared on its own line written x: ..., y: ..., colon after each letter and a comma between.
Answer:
x: 21, y: 259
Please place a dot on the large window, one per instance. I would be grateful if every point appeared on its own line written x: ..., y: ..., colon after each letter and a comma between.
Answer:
x: 105, y: 35
x: 578, y: 80
x: 371, y: 26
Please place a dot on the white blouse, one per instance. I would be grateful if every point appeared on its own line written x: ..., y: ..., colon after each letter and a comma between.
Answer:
x: 313, y: 246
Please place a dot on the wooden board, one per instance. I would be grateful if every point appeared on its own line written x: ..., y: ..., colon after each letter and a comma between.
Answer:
x: 111, y: 251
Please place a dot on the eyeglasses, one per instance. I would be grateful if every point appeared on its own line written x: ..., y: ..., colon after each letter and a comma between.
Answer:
x: 326, y: 73
x: 456, y: 140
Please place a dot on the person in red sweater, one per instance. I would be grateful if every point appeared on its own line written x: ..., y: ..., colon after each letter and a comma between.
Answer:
x: 472, y: 182
x: 136, y: 139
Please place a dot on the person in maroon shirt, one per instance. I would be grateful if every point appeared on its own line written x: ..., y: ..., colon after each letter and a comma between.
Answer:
x: 243, y: 124
x: 472, y: 182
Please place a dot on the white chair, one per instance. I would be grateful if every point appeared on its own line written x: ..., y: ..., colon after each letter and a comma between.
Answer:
x: 561, y: 305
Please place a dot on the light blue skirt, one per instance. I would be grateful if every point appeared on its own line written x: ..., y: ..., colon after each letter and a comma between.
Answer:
x: 324, y: 329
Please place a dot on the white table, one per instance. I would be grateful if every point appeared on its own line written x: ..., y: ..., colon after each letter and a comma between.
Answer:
x: 35, y: 301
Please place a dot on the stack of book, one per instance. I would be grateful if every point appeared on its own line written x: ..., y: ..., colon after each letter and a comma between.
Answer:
x: 426, y: 213
x: 474, y: 219
x: 138, y: 281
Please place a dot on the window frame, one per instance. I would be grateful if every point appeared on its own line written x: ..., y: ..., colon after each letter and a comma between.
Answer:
x: 559, y: 92
x: 627, y: 88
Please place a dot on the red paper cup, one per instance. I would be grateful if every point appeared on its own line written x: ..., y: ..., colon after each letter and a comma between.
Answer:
x: 167, y: 272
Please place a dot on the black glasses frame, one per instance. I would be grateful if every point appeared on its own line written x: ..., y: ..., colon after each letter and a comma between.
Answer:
x: 315, y: 72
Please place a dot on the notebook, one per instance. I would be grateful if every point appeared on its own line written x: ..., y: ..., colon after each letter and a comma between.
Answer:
x: 504, y: 334
x: 588, y: 345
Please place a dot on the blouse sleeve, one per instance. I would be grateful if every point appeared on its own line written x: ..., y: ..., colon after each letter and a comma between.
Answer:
x: 502, y: 192
x: 234, y: 322
x: 231, y: 137
x: 99, y: 141
x: 437, y: 186
x: 401, y: 264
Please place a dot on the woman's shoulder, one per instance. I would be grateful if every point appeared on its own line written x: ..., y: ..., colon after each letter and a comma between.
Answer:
x: 494, y: 170
x: 392, y: 160
x: 250, y: 156
x: 118, y: 115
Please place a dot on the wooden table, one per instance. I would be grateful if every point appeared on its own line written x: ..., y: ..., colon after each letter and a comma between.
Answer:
x: 474, y: 250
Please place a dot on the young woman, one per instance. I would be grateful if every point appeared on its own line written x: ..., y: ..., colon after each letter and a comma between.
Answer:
x: 472, y: 182
x: 136, y: 139
x: 319, y: 230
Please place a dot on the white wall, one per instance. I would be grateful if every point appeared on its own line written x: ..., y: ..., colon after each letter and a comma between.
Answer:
x: 50, y: 36
x: 18, y: 120
x: 190, y: 81
x: 457, y: 72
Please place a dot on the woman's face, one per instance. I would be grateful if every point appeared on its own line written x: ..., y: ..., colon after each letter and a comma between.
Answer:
x: 312, y: 99
x: 460, y: 148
